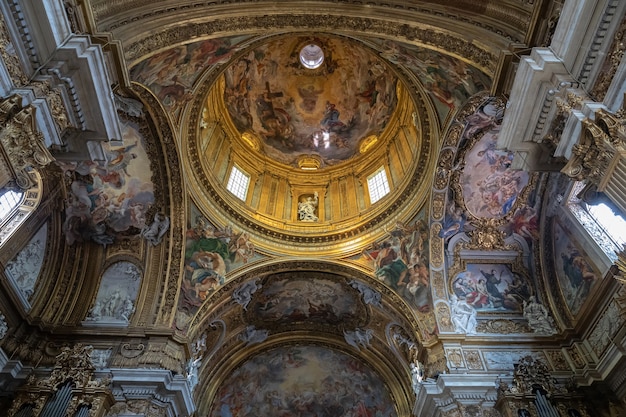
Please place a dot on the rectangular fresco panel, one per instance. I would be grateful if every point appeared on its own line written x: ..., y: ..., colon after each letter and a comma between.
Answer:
x: 491, y: 287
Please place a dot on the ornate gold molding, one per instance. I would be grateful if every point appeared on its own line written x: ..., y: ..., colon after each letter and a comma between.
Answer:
x: 22, y: 144
x: 435, y: 39
x: 73, y: 365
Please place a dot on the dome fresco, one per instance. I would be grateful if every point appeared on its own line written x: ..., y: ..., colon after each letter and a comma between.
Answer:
x: 295, y: 110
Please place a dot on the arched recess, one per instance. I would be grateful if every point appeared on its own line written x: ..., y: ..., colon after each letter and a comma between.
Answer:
x: 305, y: 303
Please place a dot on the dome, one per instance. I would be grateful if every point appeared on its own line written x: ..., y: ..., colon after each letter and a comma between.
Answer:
x: 308, y: 144
x: 303, y: 95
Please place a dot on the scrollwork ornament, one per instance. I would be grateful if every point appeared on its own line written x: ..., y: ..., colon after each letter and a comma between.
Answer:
x: 530, y: 372
x: 438, y: 284
x: 473, y: 359
x: 73, y: 363
x: 444, y: 318
x: 502, y: 326
x: 487, y: 235
x: 439, y: 202
x: 436, y: 246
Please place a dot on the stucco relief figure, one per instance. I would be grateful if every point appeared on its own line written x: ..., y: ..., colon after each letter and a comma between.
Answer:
x: 463, y: 315
x: 155, y: 232
x: 538, y: 318
x: 359, y: 338
x: 251, y: 335
x: 307, y: 208
x: 3, y: 326
x: 243, y: 294
x: 417, y: 376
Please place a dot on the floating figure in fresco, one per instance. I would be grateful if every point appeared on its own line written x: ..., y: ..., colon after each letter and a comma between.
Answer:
x: 331, y: 122
x: 575, y: 268
x: 516, y: 294
x: 487, y: 117
x: 209, y: 253
x: 208, y: 270
x: 417, y: 287
x: 401, y: 261
x: 275, y: 120
x: 461, y: 286
x: 491, y: 283
x: 309, y: 95
x: 390, y: 268
x: 453, y: 222
x: 242, y: 247
x: 119, y: 159
x: 525, y: 223
x: 491, y: 287
x: 479, y: 297
x: 306, y: 208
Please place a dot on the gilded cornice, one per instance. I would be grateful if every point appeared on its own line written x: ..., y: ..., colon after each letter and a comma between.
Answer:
x: 481, y: 55
x: 509, y: 19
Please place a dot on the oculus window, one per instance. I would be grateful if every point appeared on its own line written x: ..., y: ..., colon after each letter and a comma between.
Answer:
x: 238, y: 183
x: 378, y: 185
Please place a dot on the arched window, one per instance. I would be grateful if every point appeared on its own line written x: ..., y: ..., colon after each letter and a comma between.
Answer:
x: 17, y: 205
x: 9, y: 202
x: 607, y: 228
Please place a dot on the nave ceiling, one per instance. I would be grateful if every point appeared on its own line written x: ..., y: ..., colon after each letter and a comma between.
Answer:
x: 147, y: 256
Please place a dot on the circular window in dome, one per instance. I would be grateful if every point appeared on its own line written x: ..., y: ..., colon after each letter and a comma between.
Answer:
x: 311, y: 56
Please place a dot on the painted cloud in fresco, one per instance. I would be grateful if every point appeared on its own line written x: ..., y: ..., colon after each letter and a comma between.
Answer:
x: 171, y: 74
x: 296, y: 111
x: 292, y: 299
x: 449, y: 81
x: 303, y: 380
x: 210, y: 253
x: 109, y: 199
x: 490, y: 186
x: 401, y: 261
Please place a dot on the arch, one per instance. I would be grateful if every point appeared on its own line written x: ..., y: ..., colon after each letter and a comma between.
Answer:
x: 235, y: 323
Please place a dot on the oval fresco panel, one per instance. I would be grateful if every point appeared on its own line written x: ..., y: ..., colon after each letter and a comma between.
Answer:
x: 303, y: 381
x: 307, y: 298
x: 295, y: 110
x: 490, y: 186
